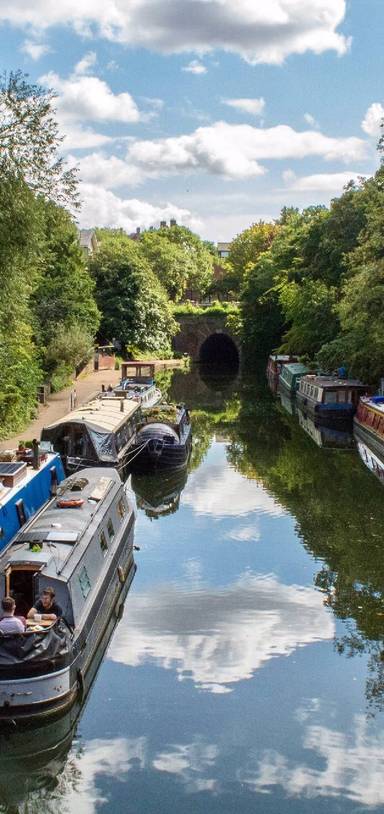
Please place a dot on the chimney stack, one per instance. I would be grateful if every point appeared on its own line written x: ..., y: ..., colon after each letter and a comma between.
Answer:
x: 172, y: 222
x: 163, y: 224
x: 138, y: 230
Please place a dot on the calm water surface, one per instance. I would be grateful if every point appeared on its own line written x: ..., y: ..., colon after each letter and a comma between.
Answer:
x: 247, y: 673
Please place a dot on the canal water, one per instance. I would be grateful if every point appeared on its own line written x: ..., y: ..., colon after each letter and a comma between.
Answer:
x: 247, y: 672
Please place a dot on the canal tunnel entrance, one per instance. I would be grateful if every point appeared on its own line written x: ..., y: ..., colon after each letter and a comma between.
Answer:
x: 219, y: 351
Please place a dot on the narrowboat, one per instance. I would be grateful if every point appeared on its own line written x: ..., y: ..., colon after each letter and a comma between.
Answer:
x: 163, y: 440
x: 28, y: 479
x: 137, y: 383
x: 339, y: 437
x: 290, y: 376
x: 159, y: 496
x: 274, y: 365
x: 81, y: 546
x: 99, y: 433
x: 329, y: 398
x: 368, y: 423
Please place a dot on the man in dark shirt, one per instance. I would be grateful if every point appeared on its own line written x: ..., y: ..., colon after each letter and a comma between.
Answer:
x: 46, y: 607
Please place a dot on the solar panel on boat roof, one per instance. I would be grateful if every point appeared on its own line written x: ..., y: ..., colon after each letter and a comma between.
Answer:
x: 7, y: 468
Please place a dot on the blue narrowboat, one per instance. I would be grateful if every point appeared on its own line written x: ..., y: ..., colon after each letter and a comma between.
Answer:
x: 25, y: 489
x: 328, y: 398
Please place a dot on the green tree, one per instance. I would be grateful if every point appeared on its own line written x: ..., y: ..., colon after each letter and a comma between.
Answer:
x: 171, y: 263
x: 245, y: 250
x: 65, y: 291
x: 30, y: 140
x: 199, y: 257
x: 132, y: 301
x: 20, y: 233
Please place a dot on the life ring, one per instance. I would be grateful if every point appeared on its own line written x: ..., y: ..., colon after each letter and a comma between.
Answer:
x: 74, y: 503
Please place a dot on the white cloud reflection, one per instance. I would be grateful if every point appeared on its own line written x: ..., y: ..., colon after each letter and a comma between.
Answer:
x: 353, y: 766
x: 217, y: 637
x: 224, y: 492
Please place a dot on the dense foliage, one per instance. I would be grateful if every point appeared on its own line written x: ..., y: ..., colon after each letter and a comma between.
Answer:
x: 318, y: 288
x: 134, y: 305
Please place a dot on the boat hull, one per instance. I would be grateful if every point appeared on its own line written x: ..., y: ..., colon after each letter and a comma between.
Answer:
x: 38, y: 696
x: 325, y: 412
x: 369, y: 437
x: 170, y: 457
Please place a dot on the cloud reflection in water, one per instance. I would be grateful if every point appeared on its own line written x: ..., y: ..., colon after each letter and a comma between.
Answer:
x: 218, y: 637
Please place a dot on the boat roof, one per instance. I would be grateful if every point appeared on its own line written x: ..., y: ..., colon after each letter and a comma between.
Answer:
x: 296, y: 367
x: 61, y: 532
x: 9, y: 492
x: 103, y: 414
x: 332, y: 382
x: 278, y: 357
x: 373, y: 403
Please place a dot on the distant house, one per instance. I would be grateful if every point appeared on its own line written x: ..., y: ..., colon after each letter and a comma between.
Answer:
x: 88, y: 241
x: 223, y: 250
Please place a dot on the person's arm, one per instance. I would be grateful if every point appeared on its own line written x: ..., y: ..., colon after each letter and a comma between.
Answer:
x: 49, y: 617
x: 31, y: 613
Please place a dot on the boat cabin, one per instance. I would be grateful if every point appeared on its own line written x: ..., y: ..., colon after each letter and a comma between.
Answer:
x: 99, y: 432
x: 25, y: 486
x: 143, y: 372
x: 66, y: 545
x: 277, y: 360
x: 329, y: 396
x: 291, y: 374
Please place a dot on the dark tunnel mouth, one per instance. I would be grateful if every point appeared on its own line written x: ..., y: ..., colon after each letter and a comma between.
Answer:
x: 219, y: 352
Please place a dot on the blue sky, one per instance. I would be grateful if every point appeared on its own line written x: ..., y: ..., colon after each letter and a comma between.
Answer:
x: 212, y: 112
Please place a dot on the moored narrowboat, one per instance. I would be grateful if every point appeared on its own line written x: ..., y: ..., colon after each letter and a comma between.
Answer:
x: 137, y: 383
x: 81, y: 547
x: 368, y: 423
x: 28, y: 479
x: 328, y: 398
x: 99, y: 433
x: 163, y: 440
x: 290, y: 376
x: 275, y: 363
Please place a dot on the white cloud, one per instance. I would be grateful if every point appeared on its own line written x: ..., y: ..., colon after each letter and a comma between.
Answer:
x: 109, y: 172
x: 221, y: 636
x: 309, y: 119
x: 259, y: 32
x: 331, y: 183
x: 87, y: 62
x: 77, y: 137
x: 347, y: 766
x: 253, y: 106
x: 89, y: 98
x: 234, y: 151
x: 373, y: 119
x: 103, y: 208
x: 35, y: 50
x: 195, y: 67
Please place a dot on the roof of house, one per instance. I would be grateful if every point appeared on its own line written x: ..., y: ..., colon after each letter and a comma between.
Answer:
x: 87, y: 238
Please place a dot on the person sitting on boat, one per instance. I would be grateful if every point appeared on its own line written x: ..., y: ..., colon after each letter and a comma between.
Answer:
x: 10, y: 623
x: 46, y: 607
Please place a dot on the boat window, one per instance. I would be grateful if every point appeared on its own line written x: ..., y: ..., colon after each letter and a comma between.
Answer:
x: 111, y: 530
x: 103, y: 542
x: 329, y: 397
x: 85, y: 585
x: 121, y: 508
x: 21, y: 513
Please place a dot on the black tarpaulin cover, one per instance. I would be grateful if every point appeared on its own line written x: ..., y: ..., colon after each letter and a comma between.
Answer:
x: 25, y: 653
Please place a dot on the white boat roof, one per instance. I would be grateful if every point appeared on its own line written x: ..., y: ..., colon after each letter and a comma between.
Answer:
x: 9, y: 492
x: 332, y: 382
x: 103, y: 414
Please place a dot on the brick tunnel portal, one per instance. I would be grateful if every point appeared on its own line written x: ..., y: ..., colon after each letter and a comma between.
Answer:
x: 219, y: 351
